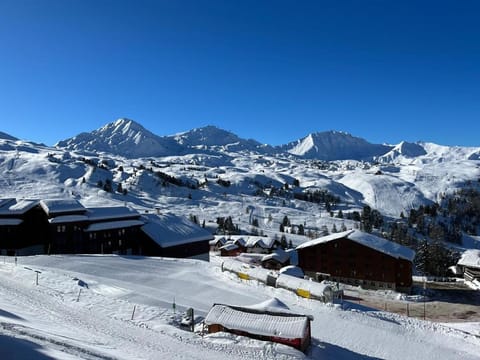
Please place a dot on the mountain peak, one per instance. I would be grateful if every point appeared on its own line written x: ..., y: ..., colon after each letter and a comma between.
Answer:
x: 122, y: 137
x: 334, y: 145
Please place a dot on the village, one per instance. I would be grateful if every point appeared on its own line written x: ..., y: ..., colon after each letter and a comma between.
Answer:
x: 351, y: 268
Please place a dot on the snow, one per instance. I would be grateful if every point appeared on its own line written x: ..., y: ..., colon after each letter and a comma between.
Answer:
x: 292, y: 270
x: 279, y: 255
x: 10, y: 222
x: 470, y: 258
x: 16, y: 207
x: 113, y: 212
x: 54, y: 207
x: 47, y: 321
x: 387, y: 247
x: 109, y: 225
x: 170, y: 230
x: 259, y: 322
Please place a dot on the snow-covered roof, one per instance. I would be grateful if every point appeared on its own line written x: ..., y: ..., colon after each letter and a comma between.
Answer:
x: 10, y: 222
x: 470, y: 258
x: 170, y: 230
x: 279, y: 255
x: 16, y: 207
x: 292, y: 270
x: 111, y: 212
x: 218, y: 240
x: 109, y: 225
x: 374, y: 242
x: 261, y: 321
x: 64, y: 219
x: 60, y: 206
x: 229, y: 246
x: 251, y: 241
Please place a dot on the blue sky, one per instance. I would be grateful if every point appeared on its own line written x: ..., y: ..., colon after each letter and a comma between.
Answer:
x: 274, y: 71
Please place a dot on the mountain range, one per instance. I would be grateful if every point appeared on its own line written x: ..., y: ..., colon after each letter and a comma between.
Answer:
x: 390, y: 178
x: 128, y: 138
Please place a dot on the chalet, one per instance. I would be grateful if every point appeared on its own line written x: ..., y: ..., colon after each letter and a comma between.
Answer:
x: 258, y: 245
x: 469, y: 265
x: 217, y: 243
x: 230, y: 249
x: 268, y: 321
x: 23, y: 227
x: 173, y: 236
x: 276, y: 260
x: 358, y: 258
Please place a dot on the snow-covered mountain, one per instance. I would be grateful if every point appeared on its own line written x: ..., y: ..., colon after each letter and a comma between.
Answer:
x: 5, y: 136
x: 123, y: 137
x: 404, y: 150
x: 223, y: 173
x: 212, y: 138
x: 334, y: 145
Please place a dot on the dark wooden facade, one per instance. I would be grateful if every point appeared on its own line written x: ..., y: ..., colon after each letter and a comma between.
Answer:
x: 353, y: 263
x: 198, y: 249
x: 66, y: 227
x: 22, y: 232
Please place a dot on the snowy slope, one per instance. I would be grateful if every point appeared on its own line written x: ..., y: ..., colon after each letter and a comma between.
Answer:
x: 83, y: 308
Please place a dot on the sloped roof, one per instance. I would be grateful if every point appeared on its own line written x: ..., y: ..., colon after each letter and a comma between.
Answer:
x: 111, y: 212
x: 110, y: 225
x: 12, y: 206
x: 65, y: 219
x: 470, y: 258
x: 10, y: 222
x: 61, y: 206
x: 266, y: 320
x: 218, y: 240
x: 170, y: 230
x: 229, y: 246
x: 374, y: 242
x: 279, y: 255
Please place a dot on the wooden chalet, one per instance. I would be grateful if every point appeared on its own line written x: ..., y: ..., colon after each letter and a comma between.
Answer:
x: 258, y: 245
x: 276, y: 260
x: 169, y: 235
x: 268, y: 321
x: 469, y: 265
x: 217, y: 243
x: 230, y: 249
x: 23, y: 227
x: 358, y: 258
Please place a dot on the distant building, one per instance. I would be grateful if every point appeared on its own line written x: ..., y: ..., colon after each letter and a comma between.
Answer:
x: 469, y: 265
x: 65, y: 226
x: 276, y: 260
x: 173, y: 236
x: 268, y: 321
x: 23, y: 227
x: 358, y: 258
x: 217, y: 243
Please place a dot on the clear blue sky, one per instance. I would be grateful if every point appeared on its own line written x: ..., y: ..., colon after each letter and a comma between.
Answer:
x: 274, y: 71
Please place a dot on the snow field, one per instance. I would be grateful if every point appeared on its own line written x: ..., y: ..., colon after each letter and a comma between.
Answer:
x: 100, y: 324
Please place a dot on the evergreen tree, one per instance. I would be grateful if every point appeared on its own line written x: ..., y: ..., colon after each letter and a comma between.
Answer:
x: 334, y: 229
x: 301, y: 230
